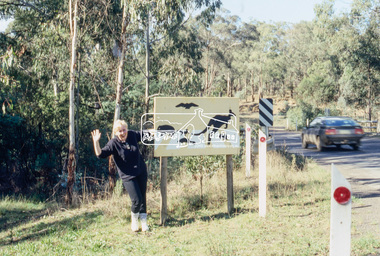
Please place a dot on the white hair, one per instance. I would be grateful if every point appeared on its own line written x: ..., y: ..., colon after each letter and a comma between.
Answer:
x: 118, y: 124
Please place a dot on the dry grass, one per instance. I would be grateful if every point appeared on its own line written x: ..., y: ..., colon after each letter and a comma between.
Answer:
x: 297, y: 220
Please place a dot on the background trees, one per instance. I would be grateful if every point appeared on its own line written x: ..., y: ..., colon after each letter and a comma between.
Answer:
x: 330, y: 61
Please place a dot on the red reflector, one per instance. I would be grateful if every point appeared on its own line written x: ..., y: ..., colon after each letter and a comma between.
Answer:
x: 342, y: 195
x: 330, y: 131
x: 359, y: 131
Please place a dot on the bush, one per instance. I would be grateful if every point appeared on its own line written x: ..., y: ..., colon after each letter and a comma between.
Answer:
x: 284, y: 107
x: 299, y: 115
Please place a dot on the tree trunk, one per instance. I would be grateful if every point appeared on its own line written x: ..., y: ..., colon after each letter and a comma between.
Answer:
x: 228, y: 85
x: 206, y: 81
x: 145, y: 150
x: 112, y: 174
x: 369, y: 93
x: 260, y: 92
x: 212, y: 75
x: 206, y: 75
x: 119, y: 91
x: 245, y: 89
x: 147, y: 69
x: 71, y: 166
x: 252, y: 87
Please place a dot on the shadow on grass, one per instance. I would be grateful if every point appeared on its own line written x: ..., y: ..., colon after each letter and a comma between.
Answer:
x: 177, y: 222
x: 15, y: 217
x: 41, y: 229
x: 277, y: 190
x: 372, y: 184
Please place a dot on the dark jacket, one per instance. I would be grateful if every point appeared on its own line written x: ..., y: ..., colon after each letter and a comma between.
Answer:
x: 126, y: 155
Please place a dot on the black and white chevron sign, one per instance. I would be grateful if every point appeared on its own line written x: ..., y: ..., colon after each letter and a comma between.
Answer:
x: 266, y: 112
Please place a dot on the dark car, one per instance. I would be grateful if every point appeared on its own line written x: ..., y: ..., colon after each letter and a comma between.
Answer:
x: 332, y: 130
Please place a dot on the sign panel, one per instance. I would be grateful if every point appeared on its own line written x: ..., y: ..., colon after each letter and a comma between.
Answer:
x: 266, y: 112
x: 187, y: 126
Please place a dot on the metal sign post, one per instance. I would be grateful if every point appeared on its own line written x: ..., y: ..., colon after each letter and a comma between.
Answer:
x: 340, y: 220
x: 265, y: 120
x: 262, y: 173
x: 248, y: 132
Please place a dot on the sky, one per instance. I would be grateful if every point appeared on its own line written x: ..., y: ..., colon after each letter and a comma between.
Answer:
x: 3, y: 25
x: 269, y: 10
x: 292, y: 11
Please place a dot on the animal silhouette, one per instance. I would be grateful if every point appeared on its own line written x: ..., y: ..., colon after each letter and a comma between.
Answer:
x: 166, y: 129
x: 186, y: 105
x: 216, y: 122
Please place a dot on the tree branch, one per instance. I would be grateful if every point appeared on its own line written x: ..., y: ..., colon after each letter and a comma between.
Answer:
x: 20, y: 4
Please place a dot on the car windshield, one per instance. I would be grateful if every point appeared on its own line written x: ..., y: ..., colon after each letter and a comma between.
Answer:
x: 340, y: 122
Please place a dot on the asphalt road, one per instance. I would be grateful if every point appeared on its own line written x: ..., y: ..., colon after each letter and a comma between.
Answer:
x: 360, y: 167
x: 367, y: 158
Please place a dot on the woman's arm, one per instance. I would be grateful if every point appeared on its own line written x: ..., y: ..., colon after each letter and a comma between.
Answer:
x: 96, y: 137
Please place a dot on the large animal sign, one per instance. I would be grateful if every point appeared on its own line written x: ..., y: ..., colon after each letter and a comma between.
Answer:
x: 193, y: 126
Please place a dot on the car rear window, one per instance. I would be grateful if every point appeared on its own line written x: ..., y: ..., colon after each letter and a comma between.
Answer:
x: 340, y: 122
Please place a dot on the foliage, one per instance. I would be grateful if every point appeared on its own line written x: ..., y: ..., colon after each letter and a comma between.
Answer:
x: 330, y: 62
x: 298, y: 115
x: 317, y: 86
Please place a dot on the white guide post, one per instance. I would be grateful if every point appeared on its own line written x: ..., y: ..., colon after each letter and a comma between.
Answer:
x: 248, y: 132
x: 340, y: 221
x: 262, y: 173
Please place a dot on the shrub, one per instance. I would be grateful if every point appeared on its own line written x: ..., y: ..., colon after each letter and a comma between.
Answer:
x: 298, y: 115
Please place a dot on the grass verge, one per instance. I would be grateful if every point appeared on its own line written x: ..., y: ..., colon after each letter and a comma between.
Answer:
x: 297, y: 220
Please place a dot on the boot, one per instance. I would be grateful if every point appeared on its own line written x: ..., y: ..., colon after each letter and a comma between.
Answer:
x: 134, y: 221
x: 144, y: 224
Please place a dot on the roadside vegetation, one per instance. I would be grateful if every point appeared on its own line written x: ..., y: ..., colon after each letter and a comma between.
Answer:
x: 330, y: 62
x: 297, y: 220
x: 122, y: 55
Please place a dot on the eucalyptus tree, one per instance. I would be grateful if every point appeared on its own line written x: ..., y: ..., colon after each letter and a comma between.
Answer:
x: 266, y: 69
x: 248, y: 35
x: 358, y: 43
x: 43, y: 66
x: 174, y: 46
x: 223, y: 41
x: 320, y: 82
x: 176, y: 66
x: 298, y: 54
x: 71, y: 165
x: 167, y: 18
x: 33, y: 105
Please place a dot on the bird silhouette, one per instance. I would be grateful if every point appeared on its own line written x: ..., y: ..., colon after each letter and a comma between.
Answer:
x: 186, y: 105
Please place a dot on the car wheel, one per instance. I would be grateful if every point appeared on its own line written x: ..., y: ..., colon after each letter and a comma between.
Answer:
x: 319, y: 144
x: 304, y: 144
x: 355, y: 147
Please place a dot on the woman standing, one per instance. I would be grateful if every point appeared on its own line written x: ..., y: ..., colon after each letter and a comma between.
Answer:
x: 131, y: 168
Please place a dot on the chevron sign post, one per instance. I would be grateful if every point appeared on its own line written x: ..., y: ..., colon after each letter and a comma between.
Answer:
x: 266, y: 112
x: 265, y: 120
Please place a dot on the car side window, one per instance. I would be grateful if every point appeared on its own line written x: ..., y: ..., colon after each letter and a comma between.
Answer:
x: 314, y: 123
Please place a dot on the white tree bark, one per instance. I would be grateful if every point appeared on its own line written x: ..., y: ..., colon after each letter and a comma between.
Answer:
x: 120, y: 70
x: 73, y: 5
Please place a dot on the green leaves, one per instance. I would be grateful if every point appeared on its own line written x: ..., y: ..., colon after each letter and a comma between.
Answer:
x: 333, y: 58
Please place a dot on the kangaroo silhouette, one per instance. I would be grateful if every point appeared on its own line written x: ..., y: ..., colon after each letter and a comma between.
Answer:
x: 216, y: 122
